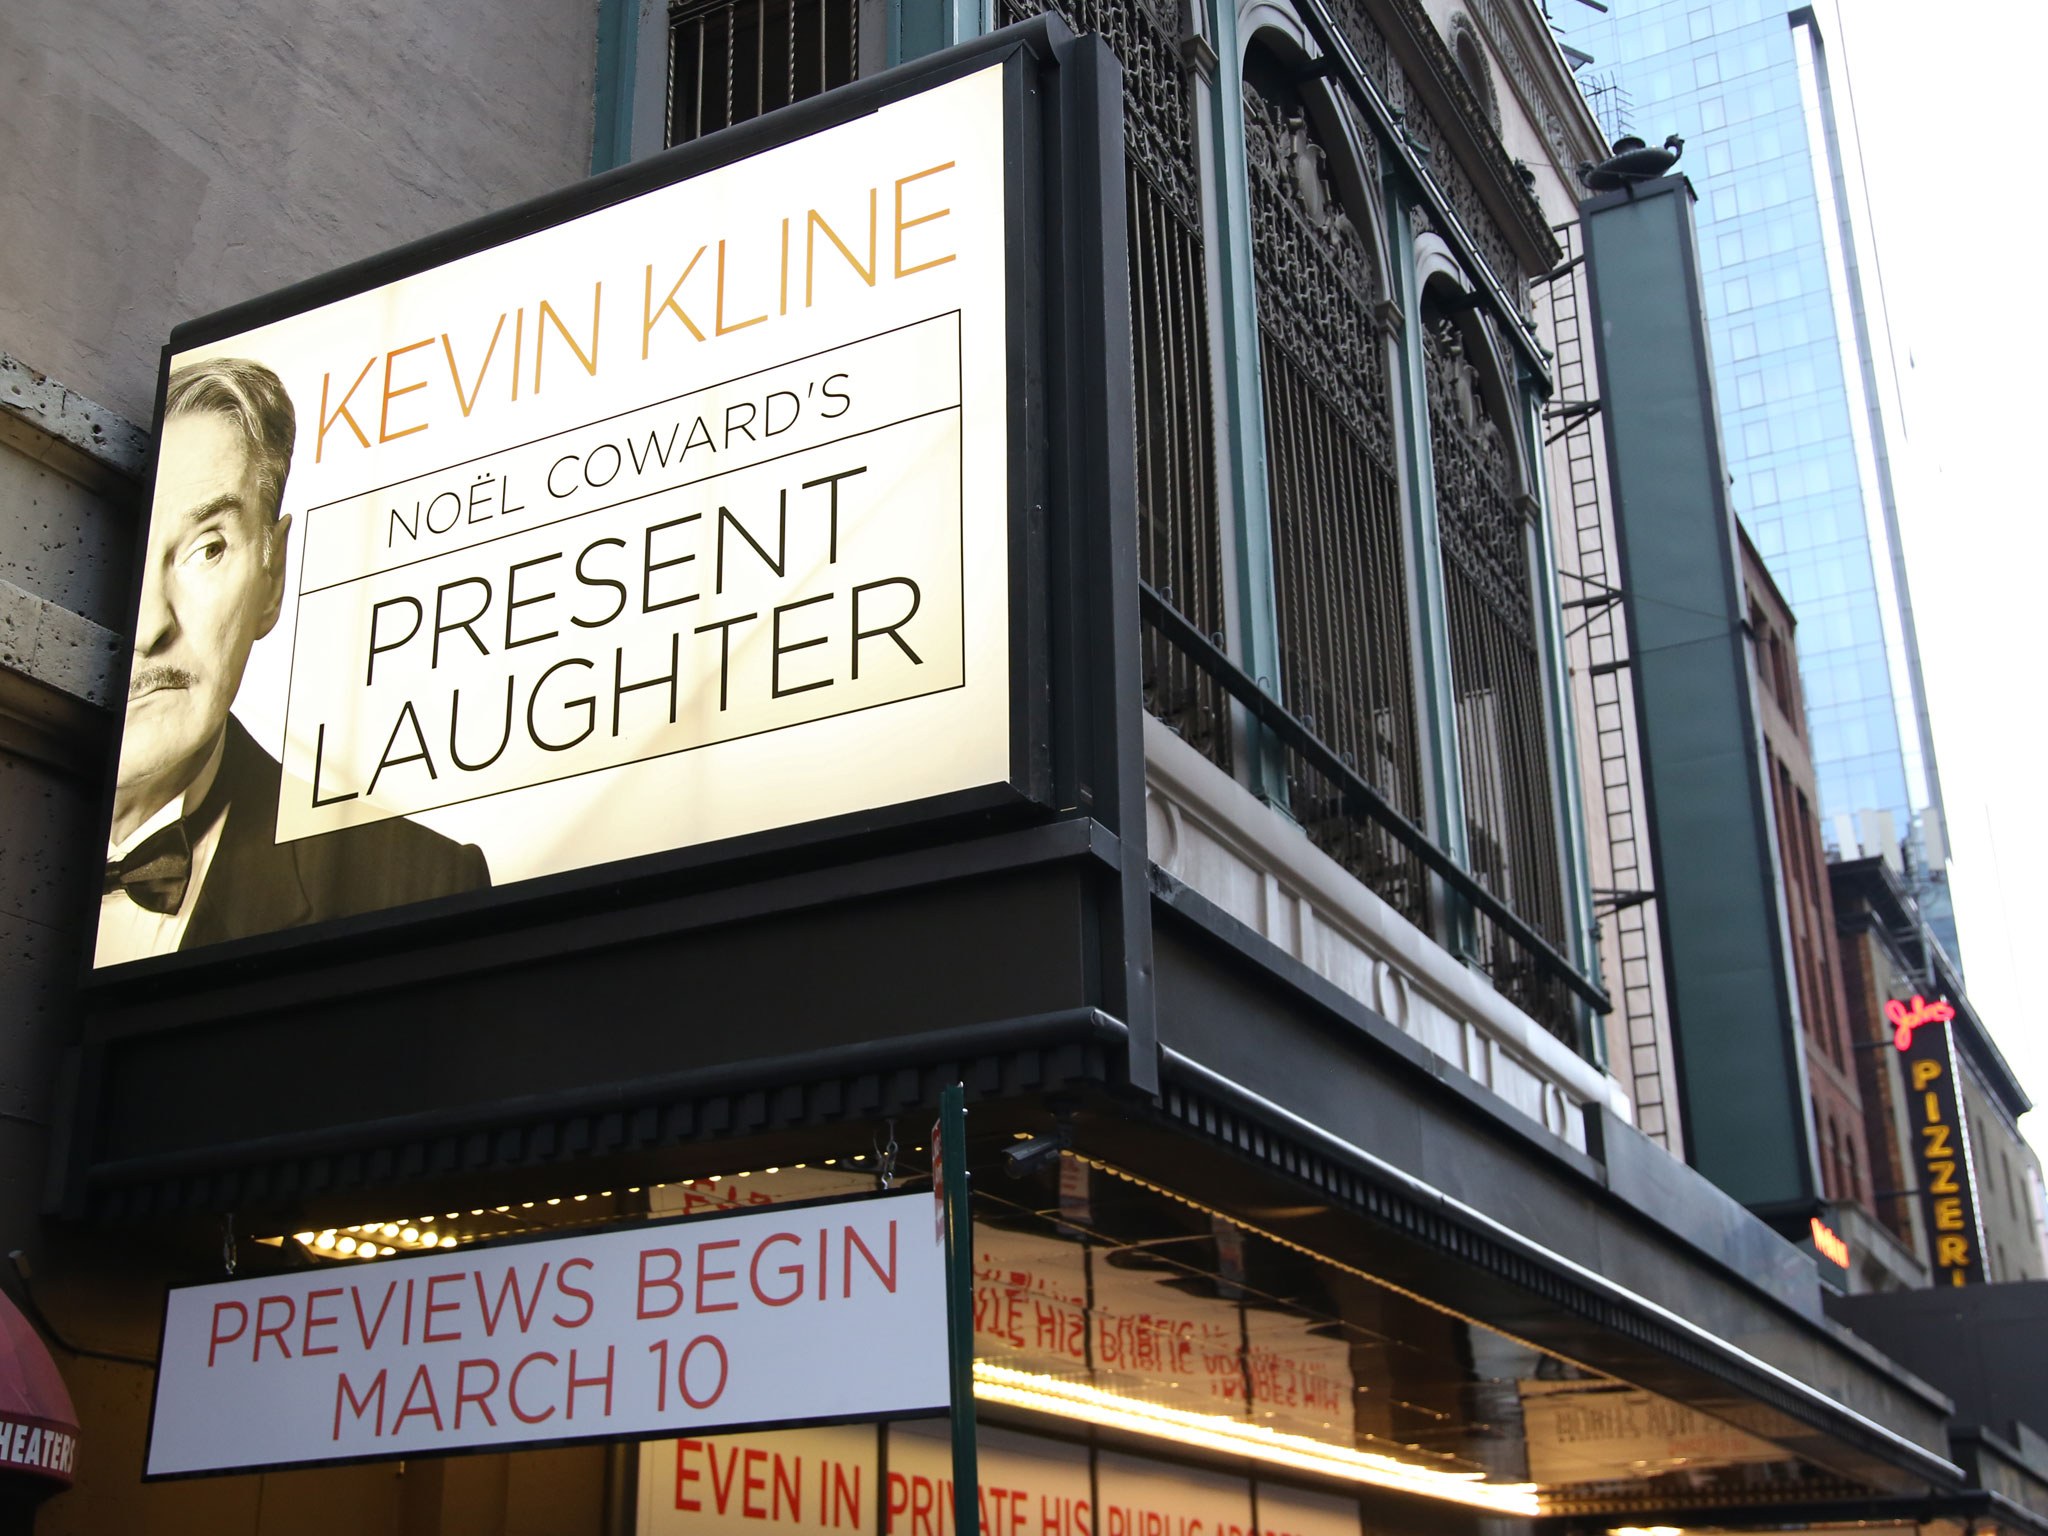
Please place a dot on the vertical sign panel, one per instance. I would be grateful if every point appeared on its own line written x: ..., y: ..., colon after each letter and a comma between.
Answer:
x: 1941, y: 1154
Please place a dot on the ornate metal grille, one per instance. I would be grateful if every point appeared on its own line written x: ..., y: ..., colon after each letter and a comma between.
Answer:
x: 1179, y: 551
x: 1340, y: 582
x: 1510, y: 826
x: 1369, y: 43
x: 731, y: 60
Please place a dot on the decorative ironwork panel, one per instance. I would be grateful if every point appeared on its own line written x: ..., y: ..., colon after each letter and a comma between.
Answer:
x: 1496, y: 675
x: 1318, y: 290
x: 1369, y: 42
x: 1159, y: 108
x: 1180, y: 544
x: 1340, y: 581
x: 1463, y: 197
x: 731, y: 60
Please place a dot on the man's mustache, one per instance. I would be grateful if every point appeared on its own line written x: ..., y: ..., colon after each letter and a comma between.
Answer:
x: 150, y: 679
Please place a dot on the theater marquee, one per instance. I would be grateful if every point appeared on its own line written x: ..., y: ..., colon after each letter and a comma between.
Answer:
x: 674, y: 521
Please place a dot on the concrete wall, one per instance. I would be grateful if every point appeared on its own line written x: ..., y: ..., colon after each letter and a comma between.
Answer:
x: 163, y: 161
x: 67, y: 484
x: 2012, y: 1246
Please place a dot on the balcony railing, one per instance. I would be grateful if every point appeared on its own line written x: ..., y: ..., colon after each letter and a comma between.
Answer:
x: 1522, y: 965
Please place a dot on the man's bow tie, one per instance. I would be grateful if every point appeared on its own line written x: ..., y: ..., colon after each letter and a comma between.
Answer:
x: 156, y: 870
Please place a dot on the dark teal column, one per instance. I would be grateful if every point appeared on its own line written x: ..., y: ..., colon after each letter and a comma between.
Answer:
x: 1741, y: 1067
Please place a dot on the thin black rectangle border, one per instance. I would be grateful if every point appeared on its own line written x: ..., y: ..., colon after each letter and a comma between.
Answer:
x: 766, y: 730
x: 521, y: 1240
x: 1021, y: 52
x: 570, y: 517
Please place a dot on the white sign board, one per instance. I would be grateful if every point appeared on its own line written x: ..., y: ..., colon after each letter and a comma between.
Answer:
x: 1285, y: 1511
x: 1140, y: 1497
x: 672, y: 1328
x: 1029, y: 1485
x: 682, y: 519
x: 1590, y: 1432
x: 785, y: 1482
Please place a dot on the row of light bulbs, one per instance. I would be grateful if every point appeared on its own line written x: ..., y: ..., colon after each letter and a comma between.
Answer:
x: 383, y: 1239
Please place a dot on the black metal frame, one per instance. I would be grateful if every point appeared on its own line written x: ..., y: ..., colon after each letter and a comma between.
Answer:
x: 1362, y: 798
x: 1180, y: 550
x: 1031, y: 778
x: 1063, y: 844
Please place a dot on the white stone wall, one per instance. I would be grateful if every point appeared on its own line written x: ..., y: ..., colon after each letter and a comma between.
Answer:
x: 1215, y: 836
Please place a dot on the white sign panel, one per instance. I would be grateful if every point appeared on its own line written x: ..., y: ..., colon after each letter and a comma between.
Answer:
x: 1152, y: 1498
x: 1029, y: 1486
x: 678, y: 1328
x: 787, y: 1482
x: 1581, y: 1432
x: 680, y: 520
x: 1285, y: 1511
x: 1030, y: 1301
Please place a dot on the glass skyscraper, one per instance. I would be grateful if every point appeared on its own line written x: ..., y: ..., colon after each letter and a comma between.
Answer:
x: 1801, y: 363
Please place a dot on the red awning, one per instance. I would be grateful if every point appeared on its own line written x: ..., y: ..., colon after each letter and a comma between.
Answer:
x: 38, y: 1425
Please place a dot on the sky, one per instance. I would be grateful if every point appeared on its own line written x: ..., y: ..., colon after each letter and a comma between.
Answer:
x: 1946, y: 102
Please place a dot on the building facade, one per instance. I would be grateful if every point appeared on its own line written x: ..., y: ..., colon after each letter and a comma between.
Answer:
x: 1802, y: 372
x: 1265, y: 959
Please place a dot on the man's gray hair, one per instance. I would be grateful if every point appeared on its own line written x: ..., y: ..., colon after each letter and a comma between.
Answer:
x: 251, y: 397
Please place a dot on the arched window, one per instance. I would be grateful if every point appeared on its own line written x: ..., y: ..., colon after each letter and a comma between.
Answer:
x: 1483, y: 528
x: 1470, y: 53
x: 1340, y: 577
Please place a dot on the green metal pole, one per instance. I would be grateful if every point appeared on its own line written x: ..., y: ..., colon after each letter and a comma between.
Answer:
x: 952, y: 1147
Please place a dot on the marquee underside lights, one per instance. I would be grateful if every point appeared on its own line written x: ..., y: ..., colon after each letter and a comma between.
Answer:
x: 1207, y: 1431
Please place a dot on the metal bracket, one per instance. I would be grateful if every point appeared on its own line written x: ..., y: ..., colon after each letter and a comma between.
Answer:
x: 1620, y: 901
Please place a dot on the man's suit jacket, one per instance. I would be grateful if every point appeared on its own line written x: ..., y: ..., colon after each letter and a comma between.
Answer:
x: 255, y: 885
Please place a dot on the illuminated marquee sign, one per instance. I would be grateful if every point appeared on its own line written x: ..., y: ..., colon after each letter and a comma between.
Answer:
x: 682, y: 519
x: 1941, y: 1153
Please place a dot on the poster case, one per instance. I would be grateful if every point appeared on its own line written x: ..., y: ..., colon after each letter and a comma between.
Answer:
x: 670, y: 519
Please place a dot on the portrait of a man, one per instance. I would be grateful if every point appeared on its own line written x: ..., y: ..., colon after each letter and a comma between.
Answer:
x: 192, y: 857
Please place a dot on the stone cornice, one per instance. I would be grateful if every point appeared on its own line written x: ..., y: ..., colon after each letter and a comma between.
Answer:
x: 1543, y: 81
x: 1433, y: 74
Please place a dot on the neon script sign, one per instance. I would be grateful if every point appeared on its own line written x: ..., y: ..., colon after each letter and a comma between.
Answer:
x: 1907, y: 1017
x: 1830, y: 1245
